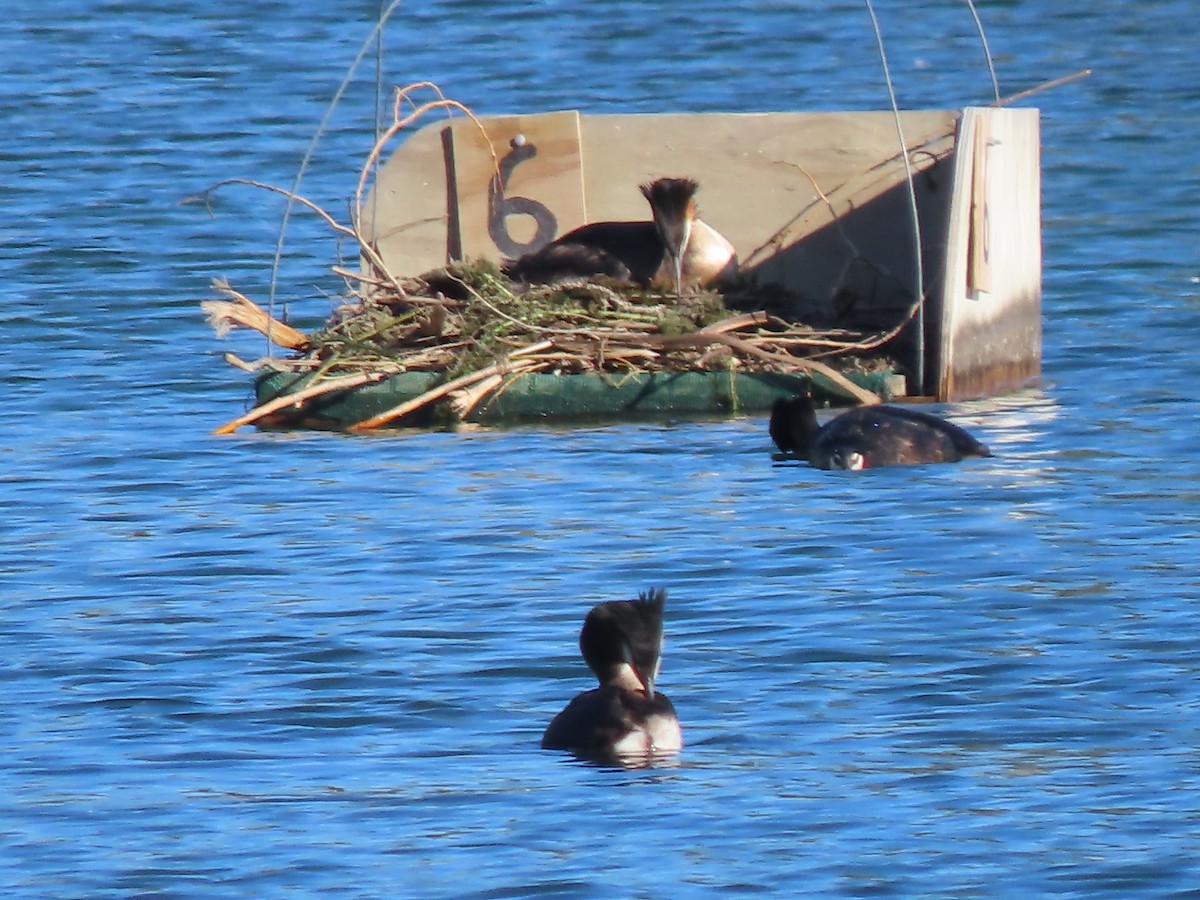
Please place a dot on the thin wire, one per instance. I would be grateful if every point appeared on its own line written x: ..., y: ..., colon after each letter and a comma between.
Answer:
x: 987, y: 52
x: 379, y: 73
x: 308, y: 155
x: 912, y: 201
x: 378, y: 111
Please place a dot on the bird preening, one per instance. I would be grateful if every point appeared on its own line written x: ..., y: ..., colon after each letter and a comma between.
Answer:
x: 868, y: 437
x: 625, y: 720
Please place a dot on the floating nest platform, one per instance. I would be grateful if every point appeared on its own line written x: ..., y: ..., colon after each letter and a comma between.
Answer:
x: 464, y: 344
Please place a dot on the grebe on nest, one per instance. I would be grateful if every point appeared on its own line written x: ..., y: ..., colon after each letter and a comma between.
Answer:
x: 868, y: 436
x: 624, y: 719
x: 675, y: 250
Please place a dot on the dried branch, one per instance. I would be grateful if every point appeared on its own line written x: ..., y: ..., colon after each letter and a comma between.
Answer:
x: 502, y: 367
x: 1044, y: 86
x: 224, y: 316
x: 301, y: 397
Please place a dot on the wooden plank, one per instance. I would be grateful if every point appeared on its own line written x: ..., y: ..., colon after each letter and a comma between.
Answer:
x: 762, y: 175
x: 979, y: 272
x: 989, y: 333
x: 762, y: 178
x: 454, y: 246
x: 405, y: 214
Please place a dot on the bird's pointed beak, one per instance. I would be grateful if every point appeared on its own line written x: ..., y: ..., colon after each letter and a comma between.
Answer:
x: 649, y: 682
x: 646, y: 667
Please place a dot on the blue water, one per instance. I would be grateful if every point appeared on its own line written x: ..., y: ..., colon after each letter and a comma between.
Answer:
x: 290, y: 664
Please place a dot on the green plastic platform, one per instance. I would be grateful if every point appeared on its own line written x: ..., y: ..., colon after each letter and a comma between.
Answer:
x: 541, y: 397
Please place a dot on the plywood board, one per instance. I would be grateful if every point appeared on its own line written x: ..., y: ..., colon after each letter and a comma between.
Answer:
x: 406, y: 213
x: 766, y: 179
x: 762, y: 175
x: 990, y: 327
x: 518, y: 182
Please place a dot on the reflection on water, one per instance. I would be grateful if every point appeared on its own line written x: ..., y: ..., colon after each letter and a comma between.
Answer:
x: 296, y: 663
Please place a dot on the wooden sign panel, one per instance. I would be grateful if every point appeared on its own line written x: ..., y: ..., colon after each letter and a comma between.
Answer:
x: 519, y: 185
x: 767, y: 182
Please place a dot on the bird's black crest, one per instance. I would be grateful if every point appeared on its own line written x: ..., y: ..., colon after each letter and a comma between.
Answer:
x: 654, y: 600
x: 670, y: 197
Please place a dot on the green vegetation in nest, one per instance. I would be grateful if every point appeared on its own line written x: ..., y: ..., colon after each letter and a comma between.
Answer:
x: 364, y: 329
x: 692, y: 313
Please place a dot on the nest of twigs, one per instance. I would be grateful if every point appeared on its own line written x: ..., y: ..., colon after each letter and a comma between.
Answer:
x: 467, y: 316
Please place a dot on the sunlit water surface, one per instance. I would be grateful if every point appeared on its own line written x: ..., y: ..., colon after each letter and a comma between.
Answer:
x: 281, y: 664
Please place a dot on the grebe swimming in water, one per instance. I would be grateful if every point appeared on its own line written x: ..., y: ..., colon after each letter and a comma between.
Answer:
x: 868, y: 436
x: 624, y: 719
x: 676, y: 249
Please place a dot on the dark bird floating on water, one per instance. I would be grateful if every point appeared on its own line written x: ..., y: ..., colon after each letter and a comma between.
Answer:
x: 676, y: 249
x: 623, y: 720
x: 867, y: 437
